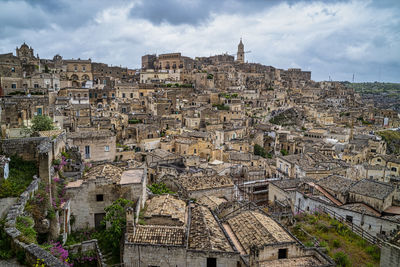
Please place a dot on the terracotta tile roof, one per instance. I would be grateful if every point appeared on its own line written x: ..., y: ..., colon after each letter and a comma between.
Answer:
x: 166, y: 206
x: 205, y: 232
x: 193, y: 183
x: 105, y: 170
x: 372, y: 188
x: 211, y: 202
x: 158, y: 234
x: 254, y: 228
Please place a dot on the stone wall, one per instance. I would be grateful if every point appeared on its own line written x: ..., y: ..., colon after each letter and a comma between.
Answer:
x: 25, y: 147
x: 32, y: 251
x: 390, y: 255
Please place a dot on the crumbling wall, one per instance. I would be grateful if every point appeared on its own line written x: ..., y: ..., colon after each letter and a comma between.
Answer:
x: 33, y: 252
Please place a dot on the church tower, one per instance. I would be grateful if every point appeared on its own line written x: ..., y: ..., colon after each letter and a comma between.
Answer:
x: 240, y: 52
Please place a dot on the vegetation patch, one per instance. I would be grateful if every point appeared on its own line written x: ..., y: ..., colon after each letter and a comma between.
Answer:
x: 20, y: 176
x: 221, y: 106
x: 260, y: 151
x: 160, y: 188
x: 25, y: 225
x: 392, y: 138
x: 340, y: 243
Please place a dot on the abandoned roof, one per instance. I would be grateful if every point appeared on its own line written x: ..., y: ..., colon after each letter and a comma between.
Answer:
x: 212, y: 202
x: 205, y: 232
x: 158, y: 235
x: 166, y: 206
x: 336, y: 183
x: 107, y: 171
x: 372, y: 188
x: 287, y: 183
x: 252, y: 228
x: 194, y: 183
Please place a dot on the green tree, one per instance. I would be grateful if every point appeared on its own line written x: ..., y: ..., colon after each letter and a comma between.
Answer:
x: 115, y: 219
x: 284, y: 152
x: 42, y: 123
x: 259, y: 150
x: 159, y: 188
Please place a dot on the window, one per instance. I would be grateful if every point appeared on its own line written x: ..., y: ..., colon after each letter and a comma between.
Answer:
x: 12, y: 69
x: 211, y: 262
x: 123, y: 110
x: 87, y: 152
x: 194, y: 151
x: 36, y: 85
x: 84, y: 68
x: 107, y: 148
x: 123, y: 95
x: 76, y: 68
x: 393, y: 169
x: 131, y: 95
x: 99, y: 197
x: 39, y: 111
x: 141, y: 94
x: 77, y: 113
x: 14, y: 85
x: 349, y: 218
x: 282, y: 253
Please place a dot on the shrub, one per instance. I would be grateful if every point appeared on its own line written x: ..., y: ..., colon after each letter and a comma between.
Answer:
x: 309, y: 244
x: 259, y: 151
x: 341, y: 259
x: 284, y: 152
x: 25, y: 225
x: 336, y: 243
x: 159, y: 188
x: 42, y: 123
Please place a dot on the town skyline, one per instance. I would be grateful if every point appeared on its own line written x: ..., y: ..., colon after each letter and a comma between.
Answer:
x: 326, y: 38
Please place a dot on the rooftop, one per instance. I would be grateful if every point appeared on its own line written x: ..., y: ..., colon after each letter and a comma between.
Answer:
x: 371, y: 188
x: 254, y: 228
x: 166, y: 206
x: 336, y: 183
x: 132, y: 176
x: 158, y: 234
x: 205, y: 232
x: 212, y: 202
x: 193, y: 183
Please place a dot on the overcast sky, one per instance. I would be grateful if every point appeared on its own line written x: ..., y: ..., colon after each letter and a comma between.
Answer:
x: 329, y: 38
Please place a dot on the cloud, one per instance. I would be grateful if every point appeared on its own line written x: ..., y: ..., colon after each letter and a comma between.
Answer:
x: 330, y: 38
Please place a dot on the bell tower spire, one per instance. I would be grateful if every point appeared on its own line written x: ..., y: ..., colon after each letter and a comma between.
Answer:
x: 240, y: 52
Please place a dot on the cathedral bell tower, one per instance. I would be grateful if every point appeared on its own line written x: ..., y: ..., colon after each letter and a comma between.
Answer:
x: 240, y: 52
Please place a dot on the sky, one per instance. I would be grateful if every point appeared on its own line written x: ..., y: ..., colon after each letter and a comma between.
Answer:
x: 332, y: 38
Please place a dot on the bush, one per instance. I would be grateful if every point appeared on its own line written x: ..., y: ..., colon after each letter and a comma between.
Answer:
x: 284, y: 152
x: 25, y: 225
x: 210, y: 76
x: 42, y: 123
x: 259, y: 151
x: 341, y: 259
x: 159, y: 188
x: 336, y: 243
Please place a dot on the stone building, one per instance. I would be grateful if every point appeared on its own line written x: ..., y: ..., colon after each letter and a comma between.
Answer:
x: 99, y: 188
x: 175, y: 233
x: 94, y: 146
x: 79, y: 71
